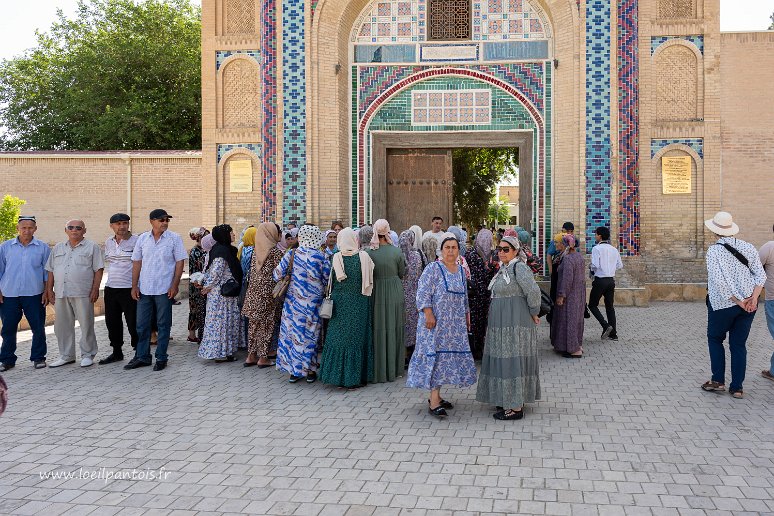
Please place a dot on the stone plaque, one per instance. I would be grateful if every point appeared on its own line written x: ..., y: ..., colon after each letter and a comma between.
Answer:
x: 676, y: 174
x: 241, y: 175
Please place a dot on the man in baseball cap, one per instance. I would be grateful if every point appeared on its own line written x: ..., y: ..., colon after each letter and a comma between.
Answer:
x: 159, y: 214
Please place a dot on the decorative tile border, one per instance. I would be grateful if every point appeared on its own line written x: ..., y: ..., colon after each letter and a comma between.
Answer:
x: 657, y: 41
x: 269, y: 102
x: 508, y: 19
x: 598, y: 148
x: 446, y: 52
x: 628, y: 129
x: 221, y: 55
x: 697, y: 144
x: 293, y: 110
x: 223, y: 148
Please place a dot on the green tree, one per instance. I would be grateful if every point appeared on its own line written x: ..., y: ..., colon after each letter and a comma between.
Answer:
x: 498, y: 212
x: 476, y: 174
x: 122, y: 74
x: 10, y: 209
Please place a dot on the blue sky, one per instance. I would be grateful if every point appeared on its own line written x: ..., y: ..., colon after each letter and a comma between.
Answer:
x: 21, y: 18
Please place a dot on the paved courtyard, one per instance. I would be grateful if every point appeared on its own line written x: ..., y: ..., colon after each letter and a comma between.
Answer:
x: 625, y: 430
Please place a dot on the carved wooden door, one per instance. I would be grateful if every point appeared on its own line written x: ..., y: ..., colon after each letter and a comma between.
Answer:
x: 419, y: 187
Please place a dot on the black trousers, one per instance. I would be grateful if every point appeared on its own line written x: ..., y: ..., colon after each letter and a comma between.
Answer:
x: 603, y: 287
x: 119, y: 301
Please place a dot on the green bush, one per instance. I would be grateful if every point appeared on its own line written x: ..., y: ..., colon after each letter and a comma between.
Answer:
x: 10, y: 210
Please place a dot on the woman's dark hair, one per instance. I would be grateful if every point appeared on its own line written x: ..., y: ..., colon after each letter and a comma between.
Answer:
x: 337, y: 223
x: 447, y: 239
x: 603, y: 232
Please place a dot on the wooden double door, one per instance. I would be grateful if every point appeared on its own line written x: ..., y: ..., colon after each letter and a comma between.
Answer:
x: 419, y: 187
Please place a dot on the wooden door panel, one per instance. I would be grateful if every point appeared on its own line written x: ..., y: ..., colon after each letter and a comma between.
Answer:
x: 419, y: 187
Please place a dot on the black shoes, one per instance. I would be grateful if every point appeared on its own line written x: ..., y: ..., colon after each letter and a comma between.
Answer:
x: 135, y: 363
x: 113, y: 357
x: 5, y: 367
x: 508, y: 415
x: 159, y: 365
x: 606, y: 332
x: 438, y: 412
x: 444, y: 404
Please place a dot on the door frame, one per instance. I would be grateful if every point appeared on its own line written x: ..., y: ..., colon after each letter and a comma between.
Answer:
x: 383, y: 140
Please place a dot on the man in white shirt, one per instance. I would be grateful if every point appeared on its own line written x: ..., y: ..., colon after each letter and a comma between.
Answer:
x: 735, y: 279
x: 436, y: 232
x: 605, y: 261
x: 157, y: 265
x: 118, y: 288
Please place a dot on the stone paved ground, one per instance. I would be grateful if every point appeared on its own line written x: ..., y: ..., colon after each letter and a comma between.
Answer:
x: 626, y: 430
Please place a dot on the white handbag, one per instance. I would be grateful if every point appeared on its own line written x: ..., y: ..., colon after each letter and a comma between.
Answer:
x: 326, y: 310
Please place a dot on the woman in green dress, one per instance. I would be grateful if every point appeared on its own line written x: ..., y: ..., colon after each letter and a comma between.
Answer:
x: 347, y: 357
x: 387, y: 305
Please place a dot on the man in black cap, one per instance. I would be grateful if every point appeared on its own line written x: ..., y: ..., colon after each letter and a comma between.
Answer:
x: 118, y: 288
x: 157, y: 265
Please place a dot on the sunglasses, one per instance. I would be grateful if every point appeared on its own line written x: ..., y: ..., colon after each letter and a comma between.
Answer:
x: 506, y: 249
x: 163, y: 220
x: 77, y: 228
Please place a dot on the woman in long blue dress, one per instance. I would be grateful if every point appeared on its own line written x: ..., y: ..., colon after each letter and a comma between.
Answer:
x: 442, y: 354
x: 299, y: 336
x: 223, y: 322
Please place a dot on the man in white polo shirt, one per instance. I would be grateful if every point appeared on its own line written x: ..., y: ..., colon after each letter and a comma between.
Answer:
x: 605, y: 261
x: 435, y: 232
x: 158, y: 259
x: 118, y: 288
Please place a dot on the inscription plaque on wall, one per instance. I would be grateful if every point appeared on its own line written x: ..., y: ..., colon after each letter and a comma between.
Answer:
x: 676, y: 174
x: 241, y: 175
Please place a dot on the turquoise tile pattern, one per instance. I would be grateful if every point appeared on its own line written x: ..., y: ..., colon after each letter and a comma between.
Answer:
x: 294, y: 110
x: 657, y: 41
x: 697, y: 144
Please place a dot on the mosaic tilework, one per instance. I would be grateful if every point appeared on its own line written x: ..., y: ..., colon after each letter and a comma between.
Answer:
x: 507, y: 19
x: 385, y: 53
x: 397, y: 116
x: 598, y: 149
x: 269, y: 103
x: 508, y: 50
x: 221, y: 56
x: 390, y: 21
x: 628, y: 129
x: 657, y: 41
x: 373, y: 81
x: 696, y: 144
x: 458, y: 107
x: 223, y: 148
x: 293, y: 110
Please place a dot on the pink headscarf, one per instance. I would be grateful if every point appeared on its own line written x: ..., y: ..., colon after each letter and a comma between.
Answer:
x: 381, y: 228
x: 511, y: 233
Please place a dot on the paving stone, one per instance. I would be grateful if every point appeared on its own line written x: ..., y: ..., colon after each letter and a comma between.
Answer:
x: 235, y: 440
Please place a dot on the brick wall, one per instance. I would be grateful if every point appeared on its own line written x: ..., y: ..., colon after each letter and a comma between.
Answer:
x: 93, y: 186
x: 747, y: 119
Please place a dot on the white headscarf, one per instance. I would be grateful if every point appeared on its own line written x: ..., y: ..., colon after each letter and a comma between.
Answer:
x: 349, y: 246
x: 417, y: 237
x: 309, y: 236
x: 394, y: 238
x: 381, y: 228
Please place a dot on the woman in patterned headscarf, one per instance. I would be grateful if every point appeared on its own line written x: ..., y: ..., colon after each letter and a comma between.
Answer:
x: 300, y: 325
x: 387, y: 305
x: 260, y: 307
x: 429, y: 250
x: 410, y: 282
x: 567, y: 314
x: 329, y: 243
x: 479, y: 259
x: 197, y: 303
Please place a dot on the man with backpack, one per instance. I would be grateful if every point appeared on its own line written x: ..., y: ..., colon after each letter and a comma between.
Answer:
x: 735, y: 279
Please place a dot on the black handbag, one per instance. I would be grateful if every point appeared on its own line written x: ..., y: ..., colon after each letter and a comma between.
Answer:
x: 546, y: 304
x: 230, y: 288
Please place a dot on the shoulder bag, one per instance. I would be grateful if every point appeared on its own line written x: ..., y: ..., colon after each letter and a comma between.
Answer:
x: 326, y: 310
x: 282, y: 285
x: 546, y: 304
x: 230, y: 288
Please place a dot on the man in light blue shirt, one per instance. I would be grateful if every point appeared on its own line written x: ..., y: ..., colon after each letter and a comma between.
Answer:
x: 22, y: 290
x: 158, y: 259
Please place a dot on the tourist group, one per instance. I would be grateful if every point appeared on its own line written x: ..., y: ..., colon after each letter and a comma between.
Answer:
x: 352, y: 306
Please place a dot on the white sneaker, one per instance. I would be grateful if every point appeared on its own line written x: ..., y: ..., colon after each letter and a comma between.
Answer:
x: 86, y: 362
x: 60, y: 362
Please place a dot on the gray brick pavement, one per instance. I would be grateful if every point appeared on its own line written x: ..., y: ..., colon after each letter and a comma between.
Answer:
x: 626, y: 430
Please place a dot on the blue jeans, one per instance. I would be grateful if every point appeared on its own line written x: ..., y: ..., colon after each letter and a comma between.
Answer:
x: 735, y: 322
x: 146, y: 306
x: 770, y: 321
x: 11, y: 313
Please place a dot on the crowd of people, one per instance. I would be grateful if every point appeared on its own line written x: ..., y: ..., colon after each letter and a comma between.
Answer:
x: 353, y: 306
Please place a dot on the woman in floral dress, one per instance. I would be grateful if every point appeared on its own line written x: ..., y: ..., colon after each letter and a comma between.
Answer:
x: 410, y: 283
x: 197, y: 302
x: 300, y: 325
x: 262, y: 310
x: 223, y: 324
x: 442, y: 354
x: 479, y: 259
